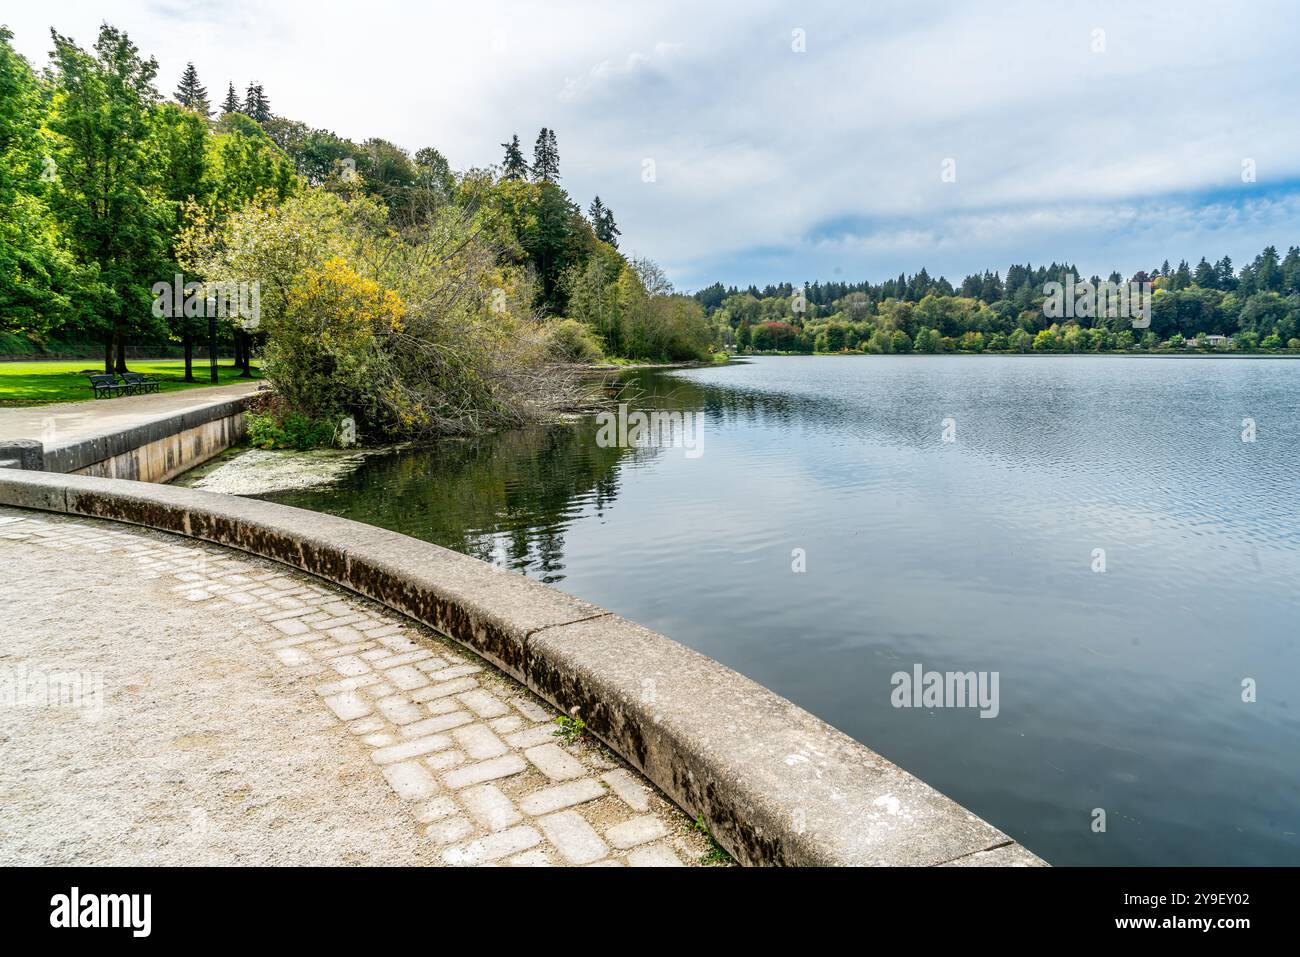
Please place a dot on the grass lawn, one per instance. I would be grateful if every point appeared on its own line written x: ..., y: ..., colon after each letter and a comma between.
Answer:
x: 64, y: 380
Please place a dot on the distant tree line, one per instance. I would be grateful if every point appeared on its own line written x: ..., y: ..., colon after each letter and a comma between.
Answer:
x: 1255, y: 307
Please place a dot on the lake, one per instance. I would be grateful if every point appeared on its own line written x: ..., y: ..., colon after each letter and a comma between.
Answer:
x: 1095, y: 530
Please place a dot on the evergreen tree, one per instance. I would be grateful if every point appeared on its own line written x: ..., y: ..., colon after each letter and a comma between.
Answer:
x: 191, y: 94
x: 1268, y: 274
x: 1204, y: 275
x: 549, y: 241
x: 256, y: 104
x: 1225, y: 277
x: 231, y: 103
x: 1291, y: 272
x: 513, y: 166
x: 546, y: 158
x: 602, y: 222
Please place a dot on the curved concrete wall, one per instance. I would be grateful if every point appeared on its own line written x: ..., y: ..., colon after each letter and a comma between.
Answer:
x: 774, y: 784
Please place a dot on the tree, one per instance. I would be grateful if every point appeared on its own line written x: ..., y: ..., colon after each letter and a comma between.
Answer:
x: 433, y: 176
x: 387, y: 171
x: 595, y: 213
x: 1291, y: 272
x: 256, y: 104
x: 317, y: 154
x: 32, y: 262
x: 602, y: 221
x: 1224, y: 277
x: 231, y: 103
x: 513, y: 166
x: 652, y: 277
x: 593, y: 299
x: 1204, y: 276
x: 100, y: 124
x: 546, y: 158
x: 179, y: 140
x: 244, y: 166
x: 555, y: 237
x: 191, y: 94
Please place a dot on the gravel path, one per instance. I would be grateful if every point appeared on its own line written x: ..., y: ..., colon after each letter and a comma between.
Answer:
x: 169, y: 702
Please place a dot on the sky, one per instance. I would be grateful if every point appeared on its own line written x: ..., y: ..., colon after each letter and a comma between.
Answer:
x: 764, y: 142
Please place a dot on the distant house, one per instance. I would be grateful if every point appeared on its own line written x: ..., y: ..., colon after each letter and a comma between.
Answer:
x: 1213, y: 341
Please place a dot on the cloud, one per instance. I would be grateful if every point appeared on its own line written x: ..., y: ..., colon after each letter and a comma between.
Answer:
x: 609, y: 77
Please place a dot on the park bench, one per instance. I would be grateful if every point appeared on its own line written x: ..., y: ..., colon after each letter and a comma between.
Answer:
x: 137, y: 384
x: 106, y: 386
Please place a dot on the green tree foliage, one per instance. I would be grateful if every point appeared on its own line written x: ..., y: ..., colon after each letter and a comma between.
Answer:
x: 106, y: 185
x: 433, y: 175
x: 34, y: 268
x: 179, y: 142
x: 387, y: 171
x: 243, y: 163
x: 555, y: 237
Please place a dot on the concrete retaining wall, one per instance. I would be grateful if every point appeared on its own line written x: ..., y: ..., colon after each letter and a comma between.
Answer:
x: 774, y: 784
x: 155, y: 451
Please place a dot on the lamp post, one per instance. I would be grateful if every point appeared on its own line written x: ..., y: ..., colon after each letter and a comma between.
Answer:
x: 212, y: 346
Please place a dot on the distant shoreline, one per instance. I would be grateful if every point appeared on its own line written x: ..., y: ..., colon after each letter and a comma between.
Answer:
x: 1026, y: 355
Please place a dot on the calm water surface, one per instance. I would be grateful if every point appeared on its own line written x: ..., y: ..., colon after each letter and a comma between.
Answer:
x: 1119, y: 690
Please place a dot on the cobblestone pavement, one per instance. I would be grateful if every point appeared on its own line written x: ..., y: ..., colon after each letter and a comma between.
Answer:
x: 250, y: 713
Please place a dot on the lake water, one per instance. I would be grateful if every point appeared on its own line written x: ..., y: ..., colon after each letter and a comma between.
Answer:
x: 1119, y: 689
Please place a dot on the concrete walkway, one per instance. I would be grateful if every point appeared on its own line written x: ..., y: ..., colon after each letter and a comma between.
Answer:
x: 67, y: 423
x: 167, y: 702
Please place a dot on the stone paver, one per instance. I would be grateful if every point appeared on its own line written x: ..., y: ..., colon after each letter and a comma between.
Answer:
x: 474, y: 771
x: 570, y: 832
x: 640, y: 830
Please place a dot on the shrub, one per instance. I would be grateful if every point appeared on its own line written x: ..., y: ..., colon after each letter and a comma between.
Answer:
x: 328, y: 351
x: 570, y: 341
x: 414, y: 332
x: 266, y: 430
